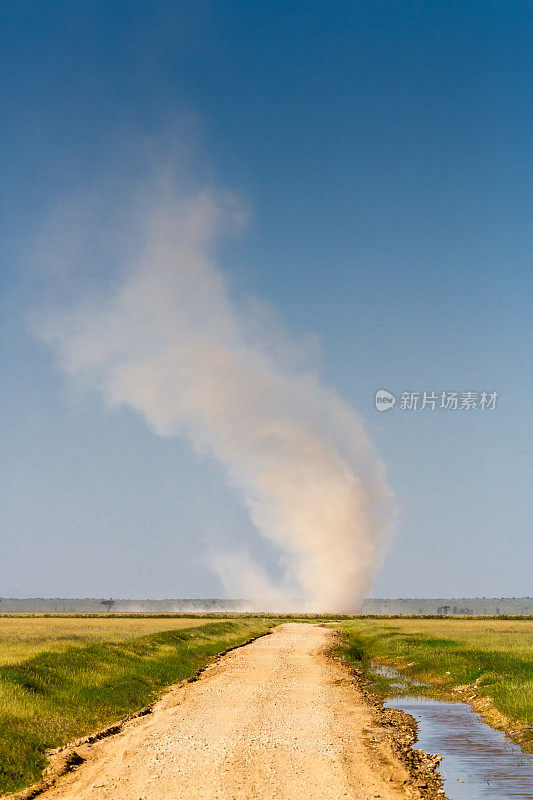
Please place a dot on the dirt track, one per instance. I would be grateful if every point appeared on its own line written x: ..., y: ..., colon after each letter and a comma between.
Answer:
x: 278, y: 718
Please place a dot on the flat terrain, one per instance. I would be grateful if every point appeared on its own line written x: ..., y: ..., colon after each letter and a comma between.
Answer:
x: 22, y: 637
x: 276, y: 711
x: 486, y: 662
x: 275, y: 719
x: 62, y: 678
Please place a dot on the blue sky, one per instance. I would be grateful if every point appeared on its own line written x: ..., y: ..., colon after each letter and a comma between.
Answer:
x: 384, y: 153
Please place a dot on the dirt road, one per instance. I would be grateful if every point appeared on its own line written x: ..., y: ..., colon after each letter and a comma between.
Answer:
x: 276, y: 719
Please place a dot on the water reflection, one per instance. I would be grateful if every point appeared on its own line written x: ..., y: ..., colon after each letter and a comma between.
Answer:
x: 479, y: 763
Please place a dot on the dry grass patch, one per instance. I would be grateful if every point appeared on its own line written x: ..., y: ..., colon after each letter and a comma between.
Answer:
x: 22, y: 637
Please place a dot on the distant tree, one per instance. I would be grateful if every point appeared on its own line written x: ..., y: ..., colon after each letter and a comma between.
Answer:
x: 443, y: 609
x: 108, y: 604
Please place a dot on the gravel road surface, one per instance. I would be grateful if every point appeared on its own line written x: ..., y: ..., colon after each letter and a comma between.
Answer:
x: 277, y: 719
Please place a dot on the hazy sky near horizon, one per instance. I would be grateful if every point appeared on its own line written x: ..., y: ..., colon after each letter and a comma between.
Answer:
x: 383, y: 153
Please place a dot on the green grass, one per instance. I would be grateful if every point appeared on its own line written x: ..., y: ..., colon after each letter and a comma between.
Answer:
x: 24, y: 636
x: 59, y: 693
x: 490, y: 660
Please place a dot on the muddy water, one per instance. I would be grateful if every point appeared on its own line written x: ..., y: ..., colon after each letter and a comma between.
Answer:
x: 478, y: 762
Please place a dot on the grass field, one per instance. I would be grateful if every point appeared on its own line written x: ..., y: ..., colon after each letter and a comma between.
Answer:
x: 64, y: 677
x: 24, y: 637
x: 488, y: 662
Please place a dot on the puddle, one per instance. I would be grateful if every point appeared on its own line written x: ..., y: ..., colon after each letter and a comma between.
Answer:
x: 397, y: 681
x: 479, y: 763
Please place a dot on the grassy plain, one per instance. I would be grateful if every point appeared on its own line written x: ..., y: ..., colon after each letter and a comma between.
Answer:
x: 64, y: 677
x: 22, y: 637
x: 487, y: 662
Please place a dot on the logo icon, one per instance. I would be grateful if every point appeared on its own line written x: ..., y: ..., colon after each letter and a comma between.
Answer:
x: 384, y: 400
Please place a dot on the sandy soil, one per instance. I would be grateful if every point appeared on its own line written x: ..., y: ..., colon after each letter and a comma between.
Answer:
x: 277, y: 719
